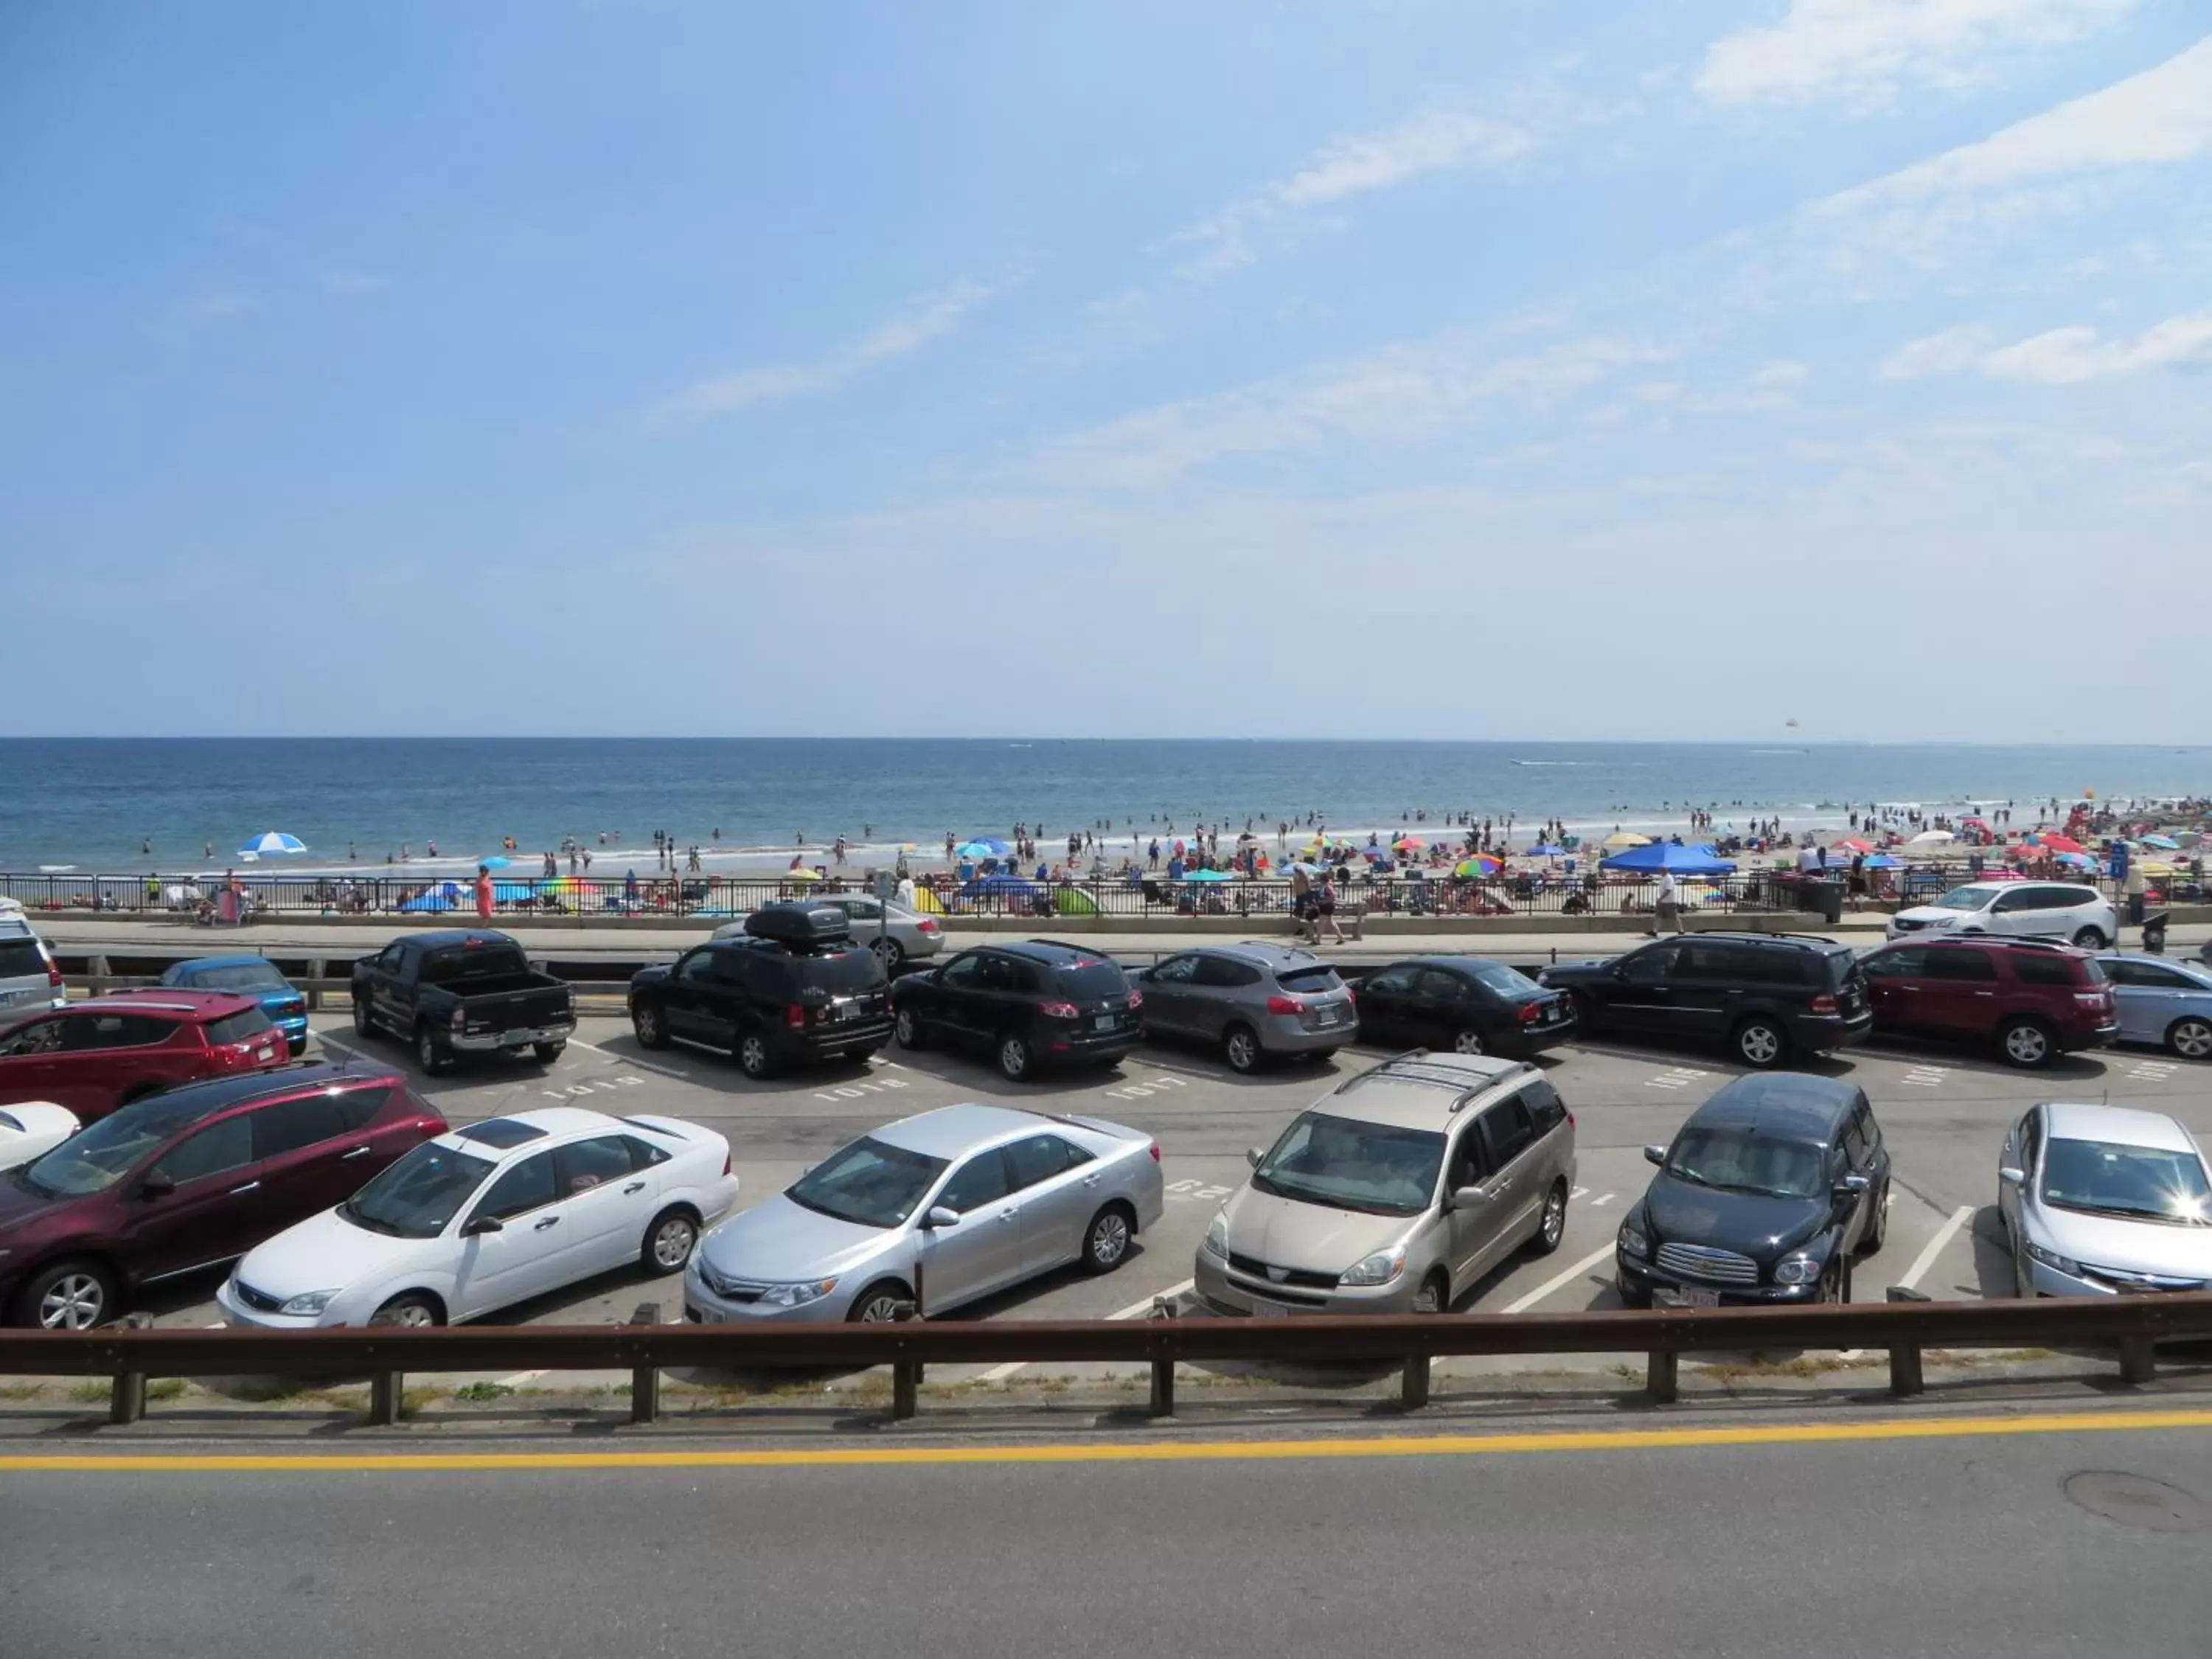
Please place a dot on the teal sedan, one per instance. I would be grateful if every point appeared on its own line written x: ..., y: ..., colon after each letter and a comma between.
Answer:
x: 252, y: 976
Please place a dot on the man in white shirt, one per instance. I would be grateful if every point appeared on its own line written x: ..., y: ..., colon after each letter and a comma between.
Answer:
x: 1668, y: 908
x: 1808, y: 859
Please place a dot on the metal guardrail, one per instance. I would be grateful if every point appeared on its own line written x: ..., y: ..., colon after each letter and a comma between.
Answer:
x: 2125, y: 1326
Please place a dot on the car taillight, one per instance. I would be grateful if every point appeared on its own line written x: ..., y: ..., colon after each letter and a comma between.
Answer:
x: 1823, y: 1004
x: 1530, y: 1013
x: 1136, y: 999
x: 53, y: 973
x: 459, y: 1019
x: 2092, y: 999
x: 1154, y: 1149
x: 926, y: 925
x: 726, y: 1163
x: 1286, y: 1005
x: 1058, y: 1010
x: 795, y: 1015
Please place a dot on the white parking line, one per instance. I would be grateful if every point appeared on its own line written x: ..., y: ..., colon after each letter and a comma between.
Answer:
x: 631, y: 1060
x: 1000, y: 1373
x: 1559, y: 1281
x: 345, y: 1048
x: 1674, y: 1077
x: 1925, y: 1077
x: 2152, y: 1071
x: 1944, y: 1235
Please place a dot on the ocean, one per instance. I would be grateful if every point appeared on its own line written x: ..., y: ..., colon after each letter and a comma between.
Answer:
x: 95, y: 804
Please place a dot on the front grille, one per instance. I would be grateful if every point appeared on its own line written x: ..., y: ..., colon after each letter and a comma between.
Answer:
x: 1904, y: 925
x: 730, y: 1290
x: 1714, y: 1266
x: 1294, y: 1277
x: 2134, y: 1284
x: 260, y: 1301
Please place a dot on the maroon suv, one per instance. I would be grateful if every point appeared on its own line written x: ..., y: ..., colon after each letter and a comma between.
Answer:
x: 2030, y: 997
x: 96, y: 1055
x: 190, y: 1178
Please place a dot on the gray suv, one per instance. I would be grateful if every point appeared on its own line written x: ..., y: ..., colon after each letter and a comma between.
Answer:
x: 1397, y: 1193
x: 1252, y: 1000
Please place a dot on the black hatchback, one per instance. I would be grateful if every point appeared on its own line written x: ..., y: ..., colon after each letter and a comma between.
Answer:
x: 1763, y: 996
x: 1027, y: 1003
x: 1469, y: 1005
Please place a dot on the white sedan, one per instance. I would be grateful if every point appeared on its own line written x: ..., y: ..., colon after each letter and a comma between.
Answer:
x: 32, y: 1128
x: 486, y: 1216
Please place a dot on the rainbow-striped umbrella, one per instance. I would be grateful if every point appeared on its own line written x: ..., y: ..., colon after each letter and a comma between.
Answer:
x: 1482, y: 864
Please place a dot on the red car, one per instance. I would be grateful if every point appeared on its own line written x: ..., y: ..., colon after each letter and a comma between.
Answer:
x: 2035, y: 999
x: 94, y: 1056
x: 192, y: 1177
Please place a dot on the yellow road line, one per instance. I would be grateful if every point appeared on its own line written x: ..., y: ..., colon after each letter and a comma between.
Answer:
x: 1142, y: 1452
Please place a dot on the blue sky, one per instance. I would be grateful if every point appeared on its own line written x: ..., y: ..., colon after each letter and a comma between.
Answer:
x: 1418, y: 367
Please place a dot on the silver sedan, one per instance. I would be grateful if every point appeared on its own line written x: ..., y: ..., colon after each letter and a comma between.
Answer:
x: 954, y: 1204
x: 2105, y: 1201
x: 891, y: 931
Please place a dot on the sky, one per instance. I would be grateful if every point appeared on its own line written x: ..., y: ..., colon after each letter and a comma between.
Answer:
x: 1415, y: 368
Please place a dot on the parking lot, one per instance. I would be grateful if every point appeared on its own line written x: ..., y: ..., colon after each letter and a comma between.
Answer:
x: 1944, y: 1113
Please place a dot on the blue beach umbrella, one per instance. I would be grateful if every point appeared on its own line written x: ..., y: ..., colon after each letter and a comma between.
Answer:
x: 1209, y: 875
x: 437, y: 898
x: 272, y: 843
x: 496, y: 862
x: 983, y: 847
x: 1659, y: 855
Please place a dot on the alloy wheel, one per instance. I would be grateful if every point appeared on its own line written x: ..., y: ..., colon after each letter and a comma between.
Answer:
x: 2027, y: 1045
x: 1760, y: 1045
x: 1243, y: 1050
x: 671, y: 1243
x: 1110, y: 1238
x: 74, y: 1302
x: 1467, y: 1043
x: 1555, y: 1216
x: 2191, y: 1039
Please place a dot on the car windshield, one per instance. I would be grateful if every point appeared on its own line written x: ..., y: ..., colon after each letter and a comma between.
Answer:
x: 870, y: 1182
x: 1732, y: 1161
x: 1963, y: 898
x: 96, y: 1158
x: 235, y: 976
x: 1506, y: 982
x: 2108, y: 1177
x: 418, y: 1196
x: 1351, y: 1165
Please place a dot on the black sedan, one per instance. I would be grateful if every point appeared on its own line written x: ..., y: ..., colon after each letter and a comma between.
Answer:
x: 1469, y: 1005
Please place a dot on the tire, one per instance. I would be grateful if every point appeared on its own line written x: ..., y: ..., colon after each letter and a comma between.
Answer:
x: 650, y: 1026
x: 68, y: 1296
x: 669, y: 1241
x: 364, y: 1019
x: 2025, y: 1043
x: 1469, y: 1041
x: 2090, y: 938
x: 1434, y: 1296
x: 875, y: 1305
x: 755, y: 1058
x: 888, y: 951
x: 1586, y: 1017
x: 432, y: 1056
x: 1759, y: 1042
x: 1321, y: 1057
x: 413, y: 1307
x: 906, y: 1030
x: 547, y: 1053
x: 1015, y: 1060
x: 1240, y: 1047
x: 2189, y: 1038
x: 1552, y: 1226
x: 1878, y: 1235
x: 1106, y: 1240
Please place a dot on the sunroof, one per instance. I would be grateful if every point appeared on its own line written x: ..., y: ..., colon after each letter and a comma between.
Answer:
x: 502, y: 1132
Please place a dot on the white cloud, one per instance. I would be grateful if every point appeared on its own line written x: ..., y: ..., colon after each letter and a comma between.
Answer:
x: 1861, y: 52
x: 928, y: 320
x: 2064, y: 355
x: 1946, y: 353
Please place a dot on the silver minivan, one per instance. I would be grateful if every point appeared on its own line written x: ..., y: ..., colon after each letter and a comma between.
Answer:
x: 28, y: 977
x: 1397, y: 1191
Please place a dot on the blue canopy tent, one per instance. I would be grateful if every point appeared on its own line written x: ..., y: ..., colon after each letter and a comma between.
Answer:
x: 1664, y: 856
x: 1002, y: 886
x: 437, y: 898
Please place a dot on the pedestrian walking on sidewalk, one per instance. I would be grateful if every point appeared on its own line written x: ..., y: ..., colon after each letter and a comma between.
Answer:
x: 1669, y: 908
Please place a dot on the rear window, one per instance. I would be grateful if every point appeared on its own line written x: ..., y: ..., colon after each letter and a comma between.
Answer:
x: 1087, y: 980
x: 238, y: 977
x: 464, y: 962
x: 1310, y: 981
x: 19, y: 958
x: 841, y: 974
x: 1842, y: 968
x: 236, y: 1028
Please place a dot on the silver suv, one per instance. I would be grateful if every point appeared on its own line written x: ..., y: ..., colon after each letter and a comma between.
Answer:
x: 1396, y: 1193
x: 1252, y: 1000
x: 28, y: 978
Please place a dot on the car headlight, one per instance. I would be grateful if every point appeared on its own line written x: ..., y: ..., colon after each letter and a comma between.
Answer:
x: 307, y: 1306
x: 1799, y: 1269
x: 797, y: 1296
x: 2052, y: 1259
x: 1379, y: 1268
x: 1217, y: 1234
x: 1631, y: 1241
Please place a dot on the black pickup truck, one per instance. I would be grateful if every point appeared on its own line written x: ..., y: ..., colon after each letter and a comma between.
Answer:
x: 461, y: 993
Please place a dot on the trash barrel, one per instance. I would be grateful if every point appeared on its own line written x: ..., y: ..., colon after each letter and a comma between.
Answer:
x: 1824, y: 898
x: 2134, y: 910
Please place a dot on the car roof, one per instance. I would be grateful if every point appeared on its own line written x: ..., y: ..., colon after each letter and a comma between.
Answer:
x: 1994, y: 942
x: 554, y: 1124
x: 1788, y: 1105
x: 1260, y: 951
x: 1420, y: 1090
x: 243, y: 959
x: 169, y: 1000
x: 443, y: 936
x: 952, y: 1130
x: 1745, y: 936
x: 218, y: 1094
x: 2071, y: 1121
x: 1048, y: 951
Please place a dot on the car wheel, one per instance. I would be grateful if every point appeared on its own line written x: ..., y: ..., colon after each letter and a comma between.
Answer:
x: 2191, y: 1038
x: 645, y: 1020
x: 413, y: 1309
x: 364, y: 1022
x: 430, y: 1054
x: 547, y: 1053
x: 670, y: 1241
x: 1585, y: 1010
x: 1013, y: 1057
x: 908, y: 1030
x: 1878, y: 1234
x: 1321, y: 1057
x: 2090, y: 938
x: 1759, y: 1042
x: 755, y: 1058
x: 878, y: 1304
x: 889, y: 953
x: 68, y: 1296
x: 1554, y: 1226
x: 1240, y: 1047
x: 2025, y: 1042
x: 1433, y: 1297
x: 1467, y: 1040
x: 2022, y: 1286
x: 1106, y: 1242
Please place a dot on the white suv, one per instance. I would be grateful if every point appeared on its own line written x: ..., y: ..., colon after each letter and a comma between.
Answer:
x: 2067, y: 910
x: 28, y: 978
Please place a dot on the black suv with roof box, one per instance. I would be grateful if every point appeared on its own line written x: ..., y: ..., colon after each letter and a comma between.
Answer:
x: 1764, y: 996
x: 1031, y: 1003
x: 796, y: 988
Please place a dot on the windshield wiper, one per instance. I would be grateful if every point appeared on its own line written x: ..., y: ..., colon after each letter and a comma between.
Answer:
x: 366, y: 1223
x: 2134, y: 1213
x: 1690, y: 1175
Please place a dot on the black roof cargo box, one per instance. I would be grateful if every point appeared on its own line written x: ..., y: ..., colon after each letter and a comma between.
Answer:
x: 800, y: 924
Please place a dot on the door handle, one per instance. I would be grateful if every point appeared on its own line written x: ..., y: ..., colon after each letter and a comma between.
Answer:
x: 250, y: 1187
x: 1985, y: 993
x: 1008, y: 1215
x: 1090, y: 1180
x: 550, y: 1221
x: 358, y: 1151
x: 635, y: 1186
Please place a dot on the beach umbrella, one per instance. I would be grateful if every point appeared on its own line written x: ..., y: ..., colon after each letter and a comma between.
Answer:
x: 1544, y: 850
x: 1627, y: 838
x: 272, y: 843
x: 1208, y: 875
x: 1979, y: 823
x: 2155, y: 867
x: 2052, y: 841
x: 1301, y: 864
x: 1881, y: 861
x: 1655, y: 856
x: 435, y: 898
x: 1482, y: 864
x: 2167, y: 841
x: 1404, y: 843
x: 926, y: 902
x: 1854, y: 844
x: 1932, y: 837
x: 496, y: 862
x: 983, y: 847
x: 2077, y: 860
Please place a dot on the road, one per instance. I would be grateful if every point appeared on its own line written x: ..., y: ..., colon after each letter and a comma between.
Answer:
x: 1606, y: 1545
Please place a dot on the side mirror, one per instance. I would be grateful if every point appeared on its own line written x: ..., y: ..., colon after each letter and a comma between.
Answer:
x: 157, y: 1185
x: 939, y: 1216
x: 1654, y: 1155
x: 2013, y: 1176
x: 1252, y: 1154
x: 1468, y: 1198
x: 478, y: 1224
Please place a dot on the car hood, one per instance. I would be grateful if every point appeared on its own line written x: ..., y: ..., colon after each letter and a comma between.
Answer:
x: 45, y: 1126
x: 1576, y: 972
x: 653, y: 975
x: 1933, y: 915
x: 20, y: 1205
x: 2140, y: 1247
x: 780, y: 1241
x: 1683, y: 1213
x: 1291, y: 1232
x: 325, y: 1252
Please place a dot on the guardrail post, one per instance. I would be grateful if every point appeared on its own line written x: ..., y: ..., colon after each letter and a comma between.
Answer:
x: 1905, y: 1372
x: 645, y: 1380
x: 2137, y: 1364
x: 384, y: 1398
x: 1163, y: 1368
x: 906, y: 1374
x: 1662, y: 1376
x: 1413, y: 1383
x: 317, y: 969
x: 127, y: 1401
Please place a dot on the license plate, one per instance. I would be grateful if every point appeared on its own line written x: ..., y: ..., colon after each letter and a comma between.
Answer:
x: 514, y: 1039
x: 1693, y: 1296
x: 1268, y: 1310
x: 265, y: 1054
x: 1105, y: 1023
